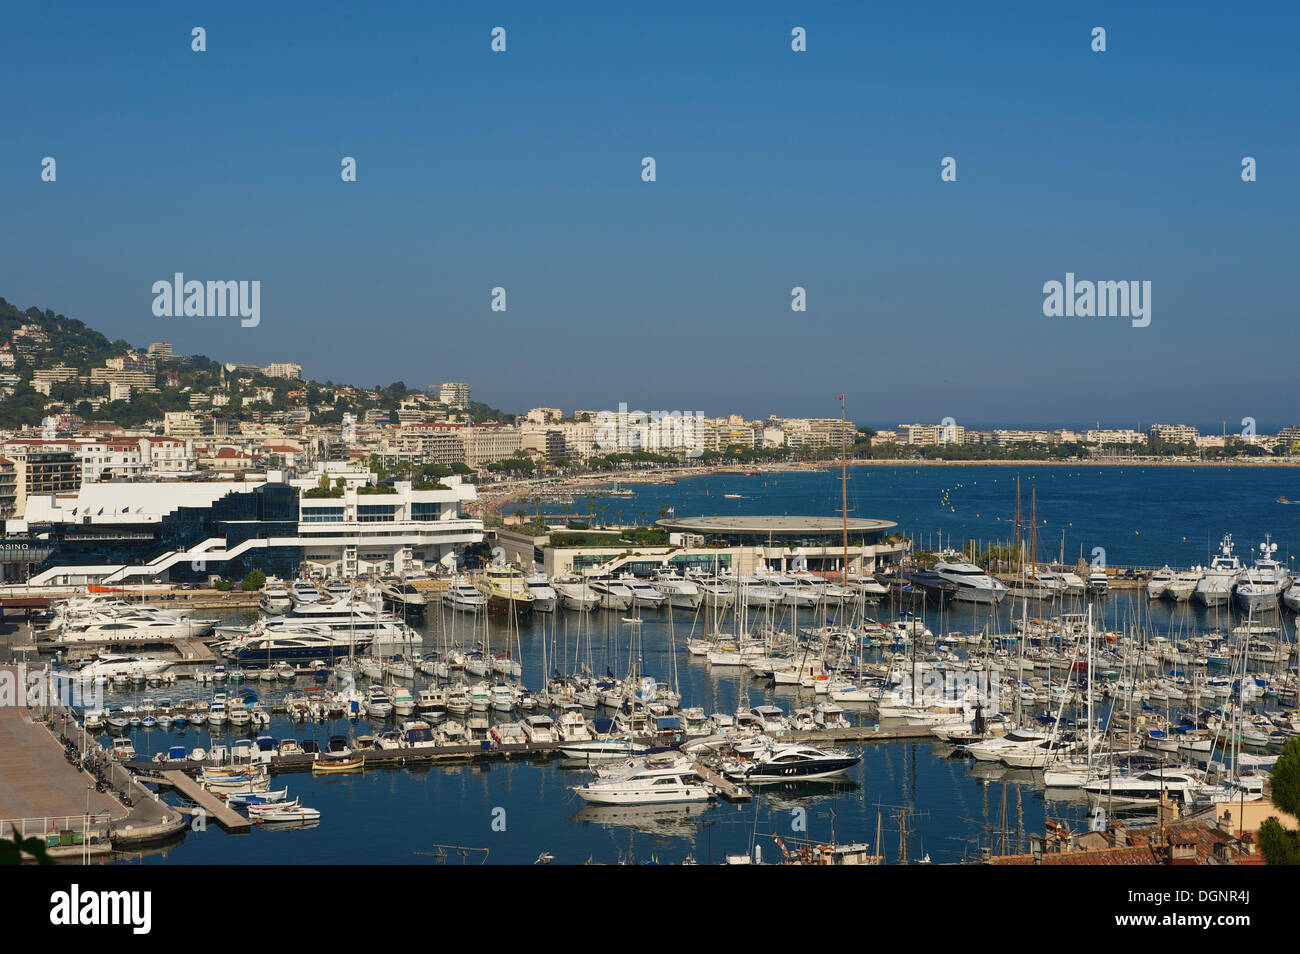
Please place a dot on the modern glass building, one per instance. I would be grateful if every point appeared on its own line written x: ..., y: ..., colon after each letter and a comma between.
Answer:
x: 190, y: 531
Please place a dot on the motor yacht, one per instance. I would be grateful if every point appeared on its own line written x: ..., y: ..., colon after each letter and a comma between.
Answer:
x: 643, y: 594
x: 611, y: 593
x: 545, y: 597
x: 463, y: 596
x: 506, y: 590
x: 791, y: 763
x: 540, y: 729
x: 972, y: 584
x: 1216, y: 586
x: 678, y: 590
x: 1183, y: 585
x: 275, y: 597
x: 1260, y: 586
x: 1159, y: 582
x: 575, y: 594
x: 304, y: 591
x: 648, y: 783
x: 404, y: 599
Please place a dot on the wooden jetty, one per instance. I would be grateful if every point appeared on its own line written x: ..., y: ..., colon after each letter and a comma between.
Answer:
x: 223, y: 814
x: 725, y: 787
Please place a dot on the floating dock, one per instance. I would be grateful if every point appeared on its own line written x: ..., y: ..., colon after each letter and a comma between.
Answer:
x: 225, y: 816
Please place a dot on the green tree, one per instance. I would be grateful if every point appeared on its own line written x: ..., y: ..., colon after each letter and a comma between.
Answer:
x: 1282, y: 847
x: 11, y: 852
x: 255, y: 580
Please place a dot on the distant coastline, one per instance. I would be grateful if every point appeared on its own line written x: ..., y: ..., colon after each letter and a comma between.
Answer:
x: 494, y: 497
x: 1100, y: 462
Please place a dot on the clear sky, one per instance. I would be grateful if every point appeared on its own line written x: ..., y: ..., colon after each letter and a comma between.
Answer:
x: 820, y: 169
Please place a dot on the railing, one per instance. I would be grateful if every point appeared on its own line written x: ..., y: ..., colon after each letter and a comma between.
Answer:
x: 92, y: 826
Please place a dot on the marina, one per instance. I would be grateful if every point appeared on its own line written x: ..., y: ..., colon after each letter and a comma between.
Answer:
x: 885, y: 706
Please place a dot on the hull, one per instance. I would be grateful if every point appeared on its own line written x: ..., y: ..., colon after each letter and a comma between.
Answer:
x: 802, y: 772
x: 644, y: 795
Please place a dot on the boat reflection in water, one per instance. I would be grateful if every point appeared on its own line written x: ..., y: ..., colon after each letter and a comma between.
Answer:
x: 678, y: 819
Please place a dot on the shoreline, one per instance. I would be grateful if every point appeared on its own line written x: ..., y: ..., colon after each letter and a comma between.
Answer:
x: 493, y: 498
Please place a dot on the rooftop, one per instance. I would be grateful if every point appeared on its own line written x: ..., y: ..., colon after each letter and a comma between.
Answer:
x: 775, y: 525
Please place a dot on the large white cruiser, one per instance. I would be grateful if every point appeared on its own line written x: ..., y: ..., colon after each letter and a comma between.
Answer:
x: 545, y: 597
x: 1215, y: 587
x: 973, y: 584
x: 678, y: 590
x: 648, y: 783
x: 643, y: 594
x: 130, y: 629
x: 303, y: 644
x: 575, y: 594
x: 462, y: 595
x: 1261, y: 585
x: 344, y: 617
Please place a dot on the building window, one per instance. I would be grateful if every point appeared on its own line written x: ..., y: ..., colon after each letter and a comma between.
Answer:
x: 425, y: 511
x: 376, y: 513
x: 322, y: 514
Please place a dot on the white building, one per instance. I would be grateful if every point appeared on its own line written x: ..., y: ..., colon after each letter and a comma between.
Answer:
x: 454, y: 394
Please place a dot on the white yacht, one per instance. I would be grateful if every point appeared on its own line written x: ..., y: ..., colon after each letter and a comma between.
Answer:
x: 792, y: 592
x: 1179, y: 784
x: 611, y: 593
x: 122, y: 629
x: 539, y: 729
x: 760, y: 592
x: 1183, y: 585
x: 545, y: 597
x: 992, y: 750
x: 107, y: 665
x: 973, y: 584
x: 1159, y: 582
x: 1292, y: 597
x: 1261, y: 585
x: 346, y: 616
x: 720, y: 591
x: 678, y: 590
x: 378, y: 704
x: 304, y: 591
x: 1057, y: 583
x: 869, y: 587
x: 462, y: 595
x: 820, y: 589
x: 643, y: 594
x: 576, y: 595
x: 1216, y: 586
x: 275, y: 597
x: 1098, y: 581
x: 648, y: 783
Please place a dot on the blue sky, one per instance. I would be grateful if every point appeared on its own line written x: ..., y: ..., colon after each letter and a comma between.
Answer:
x: 775, y: 169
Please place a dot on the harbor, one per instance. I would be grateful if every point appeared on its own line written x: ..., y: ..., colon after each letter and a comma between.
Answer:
x: 864, y: 664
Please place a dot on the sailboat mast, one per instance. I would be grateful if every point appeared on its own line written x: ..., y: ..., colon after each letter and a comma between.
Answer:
x: 1019, y: 562
x: 844, y: 490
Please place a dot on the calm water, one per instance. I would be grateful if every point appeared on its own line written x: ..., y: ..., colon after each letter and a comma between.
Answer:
x: 950, y: 807
x: 1144, y: 516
